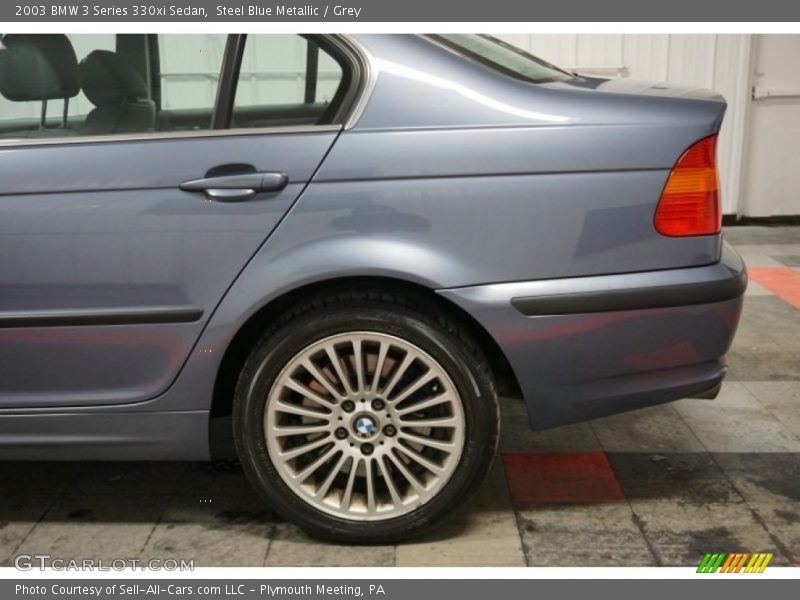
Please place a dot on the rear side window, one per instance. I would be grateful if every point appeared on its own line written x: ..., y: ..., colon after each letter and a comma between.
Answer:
x: 503, y: 57
x: 40, y: 91
x: 62, y: 86
x: 189, y: 67
x: 285, y: 80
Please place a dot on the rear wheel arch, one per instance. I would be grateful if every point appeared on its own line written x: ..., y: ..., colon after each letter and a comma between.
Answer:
x: 248, y: 334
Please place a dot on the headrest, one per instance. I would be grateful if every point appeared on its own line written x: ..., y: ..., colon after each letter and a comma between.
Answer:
x: 38, y: 67
x: 107, y: 79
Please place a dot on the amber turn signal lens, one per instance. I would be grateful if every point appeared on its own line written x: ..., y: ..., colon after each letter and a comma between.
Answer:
x: 689, y: 204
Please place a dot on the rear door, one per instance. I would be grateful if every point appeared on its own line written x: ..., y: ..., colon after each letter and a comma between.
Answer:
x: 129, y: 205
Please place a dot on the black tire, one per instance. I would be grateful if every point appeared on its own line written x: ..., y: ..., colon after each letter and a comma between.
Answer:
x: 415, y: 320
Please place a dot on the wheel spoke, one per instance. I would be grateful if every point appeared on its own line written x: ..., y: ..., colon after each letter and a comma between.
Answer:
x: 423, y: 404
x: 323, y: 489
x: 320, y: 378
x: 418, y: 458
x: 398, y: 374
x: 337, y: 366
x: 305, y: 448
x: 417, y: 385
x: 376, y: 376
x: 433, y: 422
x: 426, y: 441
x: 294, y: 409
x: 298, y: 387
x: 301, y: 476
x: 286, y: 430
x: 347, y: 496
x: 371, y: 502
x: 358, y: 361
x: 387, y: 478
x: 415, y: 483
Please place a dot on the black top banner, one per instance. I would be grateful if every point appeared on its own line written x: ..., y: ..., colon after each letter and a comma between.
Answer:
x: 440, y: 11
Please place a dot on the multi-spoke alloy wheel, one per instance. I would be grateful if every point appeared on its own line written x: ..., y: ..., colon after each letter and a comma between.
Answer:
x: 365, y: 417
x: 364, y: 425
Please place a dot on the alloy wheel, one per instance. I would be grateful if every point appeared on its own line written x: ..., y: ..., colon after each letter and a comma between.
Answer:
x: 364, y: 426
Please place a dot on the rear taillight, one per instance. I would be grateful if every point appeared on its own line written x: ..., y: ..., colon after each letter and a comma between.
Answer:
x: 689, y: 204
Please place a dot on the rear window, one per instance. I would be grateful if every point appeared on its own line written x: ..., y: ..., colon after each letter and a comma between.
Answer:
x: 503, y: 57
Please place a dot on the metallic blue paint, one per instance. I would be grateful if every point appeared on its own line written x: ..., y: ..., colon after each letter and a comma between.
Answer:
x: 105, y: 227
x: 577, y: 367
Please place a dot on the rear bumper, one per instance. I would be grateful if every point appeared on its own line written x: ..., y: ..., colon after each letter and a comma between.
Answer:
x: 592, y: 346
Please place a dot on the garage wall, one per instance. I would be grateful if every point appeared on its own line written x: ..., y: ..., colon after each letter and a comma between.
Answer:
x: 772, y: 183
x: 720, y: 62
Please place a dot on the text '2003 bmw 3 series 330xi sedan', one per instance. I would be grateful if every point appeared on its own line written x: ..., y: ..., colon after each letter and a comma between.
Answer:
x: 333, y: 253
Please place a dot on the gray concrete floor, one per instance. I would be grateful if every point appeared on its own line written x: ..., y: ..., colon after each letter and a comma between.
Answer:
x: 661, y: 486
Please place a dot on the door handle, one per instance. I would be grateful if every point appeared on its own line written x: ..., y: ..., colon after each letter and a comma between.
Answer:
x: 237, y: 188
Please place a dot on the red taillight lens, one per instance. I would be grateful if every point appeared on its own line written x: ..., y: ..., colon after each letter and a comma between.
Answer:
x: 689, y: 204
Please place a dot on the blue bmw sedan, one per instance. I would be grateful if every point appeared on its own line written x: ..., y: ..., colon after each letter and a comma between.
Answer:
x: 331, y: 254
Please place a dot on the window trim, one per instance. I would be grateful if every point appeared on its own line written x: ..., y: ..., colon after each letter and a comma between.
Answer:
x: 228, y: 81
x: 352, y: 106
x: 365, y: 74
x: 312, y: 72
x: 169, y: 135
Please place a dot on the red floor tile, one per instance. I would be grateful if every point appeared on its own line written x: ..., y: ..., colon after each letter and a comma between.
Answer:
x: 563, y: 478
x: 781, y: 281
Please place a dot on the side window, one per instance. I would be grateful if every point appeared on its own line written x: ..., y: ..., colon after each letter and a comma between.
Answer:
x: 57, y: 85
x: 40, y: 83
x: 189, y: 71
x: 286, y: 80
x: 78, y: 85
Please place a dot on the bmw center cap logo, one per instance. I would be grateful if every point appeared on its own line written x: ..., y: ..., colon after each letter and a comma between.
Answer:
x: 365, y: 427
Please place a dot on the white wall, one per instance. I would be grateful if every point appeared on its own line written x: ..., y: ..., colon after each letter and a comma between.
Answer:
x: 720, y: 62
x: 772, y: 182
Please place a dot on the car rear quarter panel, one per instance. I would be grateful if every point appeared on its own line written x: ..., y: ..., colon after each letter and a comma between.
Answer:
x: 501, y: 179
